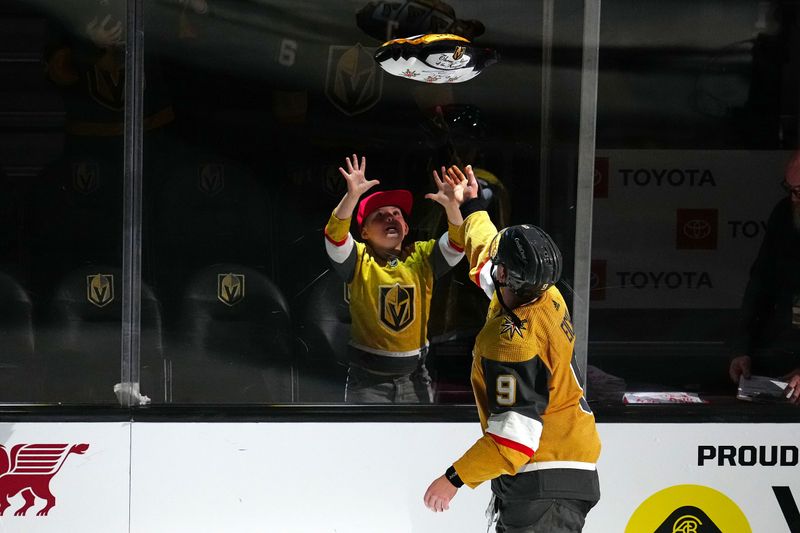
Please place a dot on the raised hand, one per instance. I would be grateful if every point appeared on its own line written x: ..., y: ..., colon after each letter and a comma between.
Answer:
x: 445, y: 194
x: 104, y: 35
x: 355, y: 176
x: 453, y: 188
x: 465, y: 186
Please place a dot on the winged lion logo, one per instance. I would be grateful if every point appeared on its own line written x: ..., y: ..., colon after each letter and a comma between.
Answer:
x: 29, y: 469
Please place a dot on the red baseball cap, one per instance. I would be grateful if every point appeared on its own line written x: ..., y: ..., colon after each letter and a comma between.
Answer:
x: 400, y: 197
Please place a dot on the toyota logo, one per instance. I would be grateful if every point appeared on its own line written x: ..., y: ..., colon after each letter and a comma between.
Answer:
x: 697, y: 229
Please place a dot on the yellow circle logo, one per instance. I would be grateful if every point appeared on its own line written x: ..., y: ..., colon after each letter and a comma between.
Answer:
x: 688, y: 509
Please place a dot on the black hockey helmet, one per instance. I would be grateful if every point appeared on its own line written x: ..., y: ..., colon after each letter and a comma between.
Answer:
x: 454, y: 123
x: 531, y: 259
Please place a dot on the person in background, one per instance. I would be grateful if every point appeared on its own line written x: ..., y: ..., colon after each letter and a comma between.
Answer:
x: 768, y: 338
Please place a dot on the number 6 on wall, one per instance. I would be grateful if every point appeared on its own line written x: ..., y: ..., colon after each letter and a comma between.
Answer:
x: 506, y: 387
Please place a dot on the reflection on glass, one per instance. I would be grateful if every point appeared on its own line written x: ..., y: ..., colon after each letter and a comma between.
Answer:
x: 249, y: 109
x: 268, y: 99
x: 60, y: 249
x: 694, y: 131
x: 767, y: 341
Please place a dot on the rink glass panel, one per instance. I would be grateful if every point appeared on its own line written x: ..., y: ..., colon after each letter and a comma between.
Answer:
x: 61, y: 167
x: 694, y: 128
x: 268, y: 99
x: 248, y: 110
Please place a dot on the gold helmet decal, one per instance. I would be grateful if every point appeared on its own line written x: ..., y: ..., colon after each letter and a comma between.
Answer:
x: 230, y: 288
x: 396, y: 306
x: 211, y: 178
x: 100, y: 289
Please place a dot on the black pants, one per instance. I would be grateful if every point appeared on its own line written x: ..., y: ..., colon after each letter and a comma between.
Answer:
x: 542, y: 516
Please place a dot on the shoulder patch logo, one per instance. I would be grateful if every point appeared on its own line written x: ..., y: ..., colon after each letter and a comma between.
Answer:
x: 396, y: 306
x: 509, y: 329
x: 556, y: 305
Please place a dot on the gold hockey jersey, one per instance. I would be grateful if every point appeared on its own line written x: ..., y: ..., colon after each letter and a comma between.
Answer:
x: 540, y: 438
x: 389, y: 300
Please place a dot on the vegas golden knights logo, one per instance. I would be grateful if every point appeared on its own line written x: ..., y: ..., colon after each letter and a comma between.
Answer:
x: 106, y: 83
x: 211, y: 178
x: 85, y: 176
x: 100, y: 289
x: 397, y: 306
x: 230, y: 288
x: 333, y: 184
x: 458, y: 53
x: 353, y: 82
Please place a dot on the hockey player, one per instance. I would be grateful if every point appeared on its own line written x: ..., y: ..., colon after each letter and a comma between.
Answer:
x: 390, y: 288
x: 540, y: 444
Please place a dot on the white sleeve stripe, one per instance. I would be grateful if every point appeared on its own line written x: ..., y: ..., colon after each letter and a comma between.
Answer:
x: 451, y: 255
x: 485, y: 279
x: 514, y: 426
x: 340, y: 253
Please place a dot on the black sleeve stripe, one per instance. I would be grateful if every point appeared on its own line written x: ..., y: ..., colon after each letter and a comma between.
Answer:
x: 472, y: 206
x: 347, y: 268
x: 531, y: 395
x: 438, y: 262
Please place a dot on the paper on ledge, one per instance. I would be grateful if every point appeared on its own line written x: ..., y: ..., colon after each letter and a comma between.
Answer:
x: 661, y: 397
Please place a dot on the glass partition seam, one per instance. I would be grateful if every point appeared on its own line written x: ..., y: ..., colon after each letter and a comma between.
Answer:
x: 132, y: 199
x: 586, y: 146
x: 545, y: 134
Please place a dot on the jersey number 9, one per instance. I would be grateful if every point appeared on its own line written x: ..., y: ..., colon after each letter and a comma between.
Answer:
x: 506, y: 390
